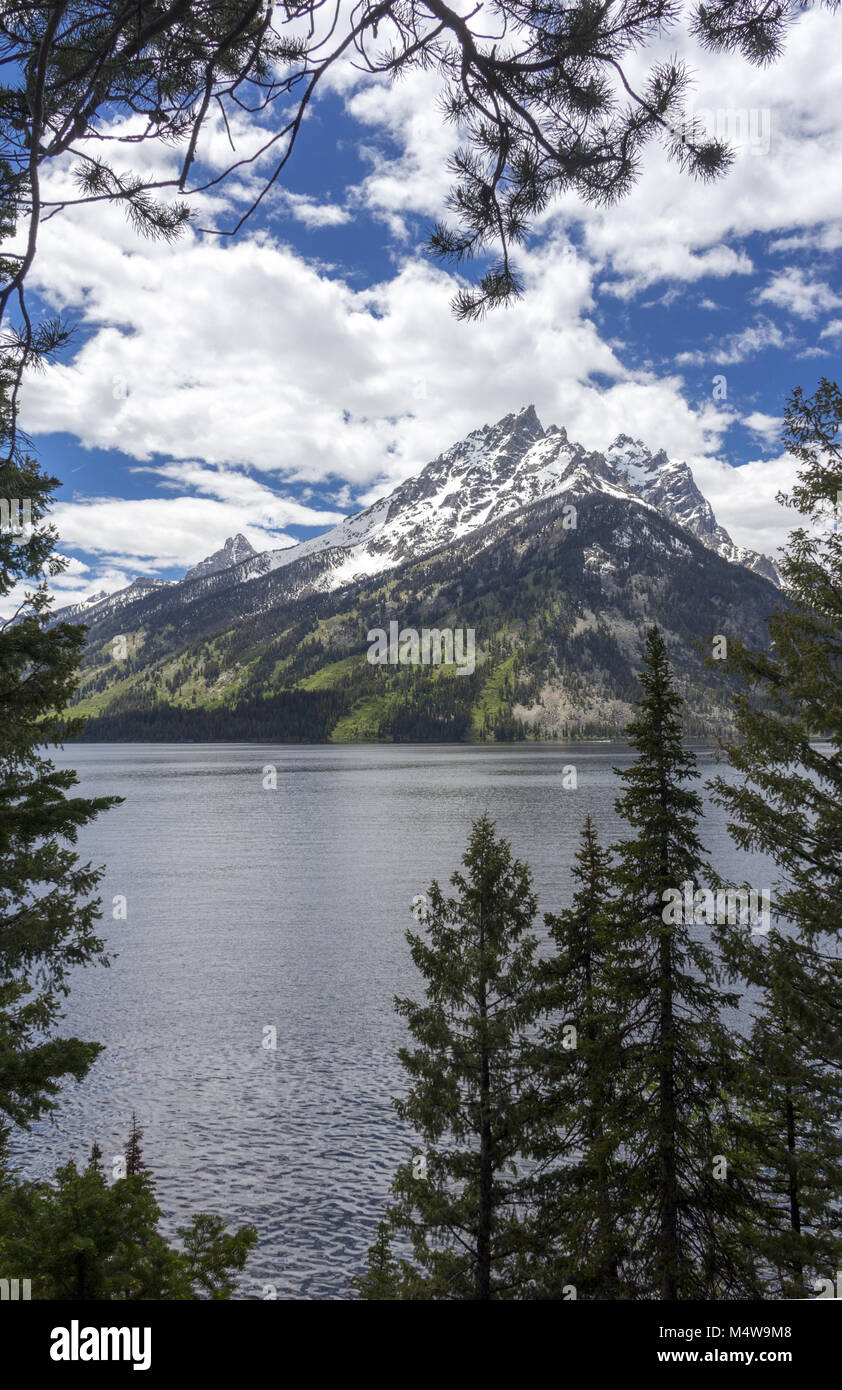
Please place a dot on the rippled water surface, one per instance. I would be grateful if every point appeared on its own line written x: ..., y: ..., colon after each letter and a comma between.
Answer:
x: 251, y: 909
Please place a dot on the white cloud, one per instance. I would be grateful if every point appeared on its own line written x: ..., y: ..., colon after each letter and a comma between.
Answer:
x: 737, y: 347
x: 234, y: 487
x: 127, y: 537
x: 415, y: 180
x: 799, y: 294
x: 744, y: 499
x: 314, y: 214
x: 154, y: 534
x: 768, y: 427
x: 673, y: 261
x: 245, y: 355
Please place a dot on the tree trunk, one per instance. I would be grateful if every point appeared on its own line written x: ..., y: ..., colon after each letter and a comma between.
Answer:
x: 666, y: 1090
x: 606, y: 1263
x: 792, y: 1180
x: 669, y: 1180
x: 483, y: 1272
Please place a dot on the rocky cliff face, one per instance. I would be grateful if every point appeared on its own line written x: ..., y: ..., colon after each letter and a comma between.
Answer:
x: 235, y: 550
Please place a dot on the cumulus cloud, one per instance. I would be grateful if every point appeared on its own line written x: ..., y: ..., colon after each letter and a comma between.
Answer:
x: 739, y: 346
x: 314, y: 214
x: 745, y: 499
x: 245, y: 354
x: 799, y: 294
x: 154, y: 534
x: 768, y: 427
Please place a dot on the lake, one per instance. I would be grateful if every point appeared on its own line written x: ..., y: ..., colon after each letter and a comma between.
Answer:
x: 250, y: 909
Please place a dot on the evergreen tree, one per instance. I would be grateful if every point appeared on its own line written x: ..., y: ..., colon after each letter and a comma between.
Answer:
x: 788, y: 805
x: 382, y: 1279
x: 134, y: 1153
x: 791, y: 1126
x: 48, y: 911
x: 788, y: 715
x: 580, y: 1184
x: 459, y: 1217
x: 81, y: 1238
x: 680, y: 1060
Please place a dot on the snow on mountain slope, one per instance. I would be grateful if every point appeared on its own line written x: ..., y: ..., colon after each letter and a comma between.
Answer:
x: 495, y: 471
x: 103, y: 604
x: 235, y: 550
x: 487, y: 476
x: 668, y: 485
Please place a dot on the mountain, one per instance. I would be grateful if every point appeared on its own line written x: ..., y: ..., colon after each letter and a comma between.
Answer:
x: 500, y: 468
x: 235, y: 550
x: 491, y: 474
x: 668, y: 485
x: 557, y: 558
x: 104, y: 605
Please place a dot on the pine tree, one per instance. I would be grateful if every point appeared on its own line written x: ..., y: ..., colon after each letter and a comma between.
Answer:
x: 458, y: 1219
x: 134, y: 1153
x: 566, y: 103
x: 788, y: 805
x: 48, y: 911
x: 382, y: 1279
x: 679, y: 1058
x: 788, y: 715
x: 792, y: 1128
x: 579, y: 1189
x: 79, y: 1237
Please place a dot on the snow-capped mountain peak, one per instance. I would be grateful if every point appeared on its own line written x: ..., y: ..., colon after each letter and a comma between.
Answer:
x: 235, y: 550
x: 99, y: 605
x: 490, y: 474
x: 668, y: 485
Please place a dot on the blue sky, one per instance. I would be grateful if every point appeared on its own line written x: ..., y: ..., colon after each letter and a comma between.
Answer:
x: 269, y: 384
